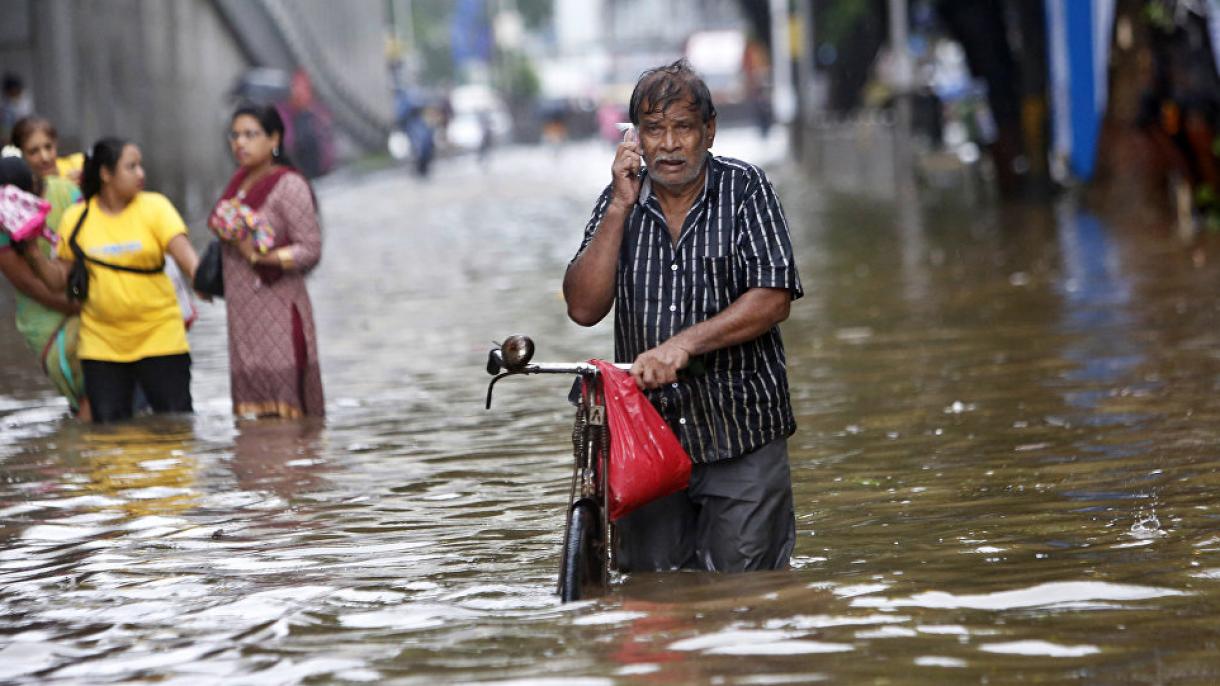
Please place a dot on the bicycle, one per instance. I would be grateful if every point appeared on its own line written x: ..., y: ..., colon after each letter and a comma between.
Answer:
x: 588, y: 554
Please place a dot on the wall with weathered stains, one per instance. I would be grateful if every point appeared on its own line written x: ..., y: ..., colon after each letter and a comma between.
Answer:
x: 160, y: 72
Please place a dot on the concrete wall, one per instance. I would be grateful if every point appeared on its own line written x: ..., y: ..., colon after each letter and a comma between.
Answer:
x: 335, y: 38
x: 341, y: 45
x: 160, y: 71
x: 152, y: 71
x: 15, y: 55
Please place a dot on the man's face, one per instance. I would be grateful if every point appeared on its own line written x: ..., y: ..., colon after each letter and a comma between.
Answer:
x: 675, y: 143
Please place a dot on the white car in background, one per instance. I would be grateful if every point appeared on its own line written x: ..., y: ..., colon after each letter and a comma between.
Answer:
x: 476, y: 107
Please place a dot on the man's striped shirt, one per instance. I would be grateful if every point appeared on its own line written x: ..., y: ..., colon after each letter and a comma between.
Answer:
x: 734, y: 238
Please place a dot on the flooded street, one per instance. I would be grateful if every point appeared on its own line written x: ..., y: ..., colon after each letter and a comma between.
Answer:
x: 1005, y: 472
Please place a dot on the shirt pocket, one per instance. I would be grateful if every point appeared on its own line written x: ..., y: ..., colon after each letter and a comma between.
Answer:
x: 715, y: 286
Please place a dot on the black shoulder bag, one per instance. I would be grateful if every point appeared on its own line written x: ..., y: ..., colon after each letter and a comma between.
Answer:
x: 78, y: 275
x: 209, y: 275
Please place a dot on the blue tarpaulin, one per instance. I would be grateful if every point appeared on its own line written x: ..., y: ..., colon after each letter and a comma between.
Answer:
x: 470, y: 32
x: 1213, y: 29
x: 1080, y: 33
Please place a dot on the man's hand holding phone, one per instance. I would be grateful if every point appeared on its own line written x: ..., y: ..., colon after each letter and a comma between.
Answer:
x: 628, y: 161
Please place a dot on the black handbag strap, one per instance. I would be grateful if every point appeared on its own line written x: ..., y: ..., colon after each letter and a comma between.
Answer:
x: 79, y: 254
x: 76, y: 251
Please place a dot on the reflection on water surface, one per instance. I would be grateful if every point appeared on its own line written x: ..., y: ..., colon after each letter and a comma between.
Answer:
x: 1005, y: 469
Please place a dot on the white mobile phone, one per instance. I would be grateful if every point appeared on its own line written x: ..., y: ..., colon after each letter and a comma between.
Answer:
x: 630, y: 135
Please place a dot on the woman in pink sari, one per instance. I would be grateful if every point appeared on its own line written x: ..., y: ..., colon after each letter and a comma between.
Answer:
x: 267, y: 220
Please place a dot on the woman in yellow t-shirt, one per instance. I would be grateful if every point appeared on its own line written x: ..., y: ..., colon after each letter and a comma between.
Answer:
x: 131, y: 326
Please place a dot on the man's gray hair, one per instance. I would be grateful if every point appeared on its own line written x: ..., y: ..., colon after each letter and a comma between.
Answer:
x: 661, y: 87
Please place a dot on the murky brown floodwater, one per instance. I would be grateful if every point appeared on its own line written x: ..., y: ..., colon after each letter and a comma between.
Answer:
x: 1006, y: 470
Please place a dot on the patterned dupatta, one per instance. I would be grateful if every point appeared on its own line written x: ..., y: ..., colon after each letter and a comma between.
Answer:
x: 256, y: 194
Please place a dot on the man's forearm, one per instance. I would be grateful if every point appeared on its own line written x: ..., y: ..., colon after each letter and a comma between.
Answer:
x: 749, y: 317
x: 588, y: 284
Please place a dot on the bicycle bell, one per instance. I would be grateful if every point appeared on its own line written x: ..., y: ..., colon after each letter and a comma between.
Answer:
x: 517, y: 351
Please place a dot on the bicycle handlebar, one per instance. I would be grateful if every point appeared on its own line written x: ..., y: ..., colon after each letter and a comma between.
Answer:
x: 517, y: 363
x: 562, y: 368
x: 519, y: 351
x: 512, y: 357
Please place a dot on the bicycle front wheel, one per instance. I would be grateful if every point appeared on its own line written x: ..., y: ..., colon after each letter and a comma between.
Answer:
x: 584, y: 557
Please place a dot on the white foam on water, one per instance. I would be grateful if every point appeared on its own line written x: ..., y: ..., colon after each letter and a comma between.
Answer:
x: 1053, y: 593
x: 1040, y: 649
x: 938, y: 661
x: 548, y: 681
x: 54, y: 532
x: 886, y: 632
x: 729, y: 638
x: 857, y: 590
x: 407, y: 617
x: 945, y: 629
x: 807, y: 622
x: 156, y: 522
x: 793, y: 647
x: 636, y: 670
x: 619, y: 617
x: 756, y: 642
x: 355, y: 595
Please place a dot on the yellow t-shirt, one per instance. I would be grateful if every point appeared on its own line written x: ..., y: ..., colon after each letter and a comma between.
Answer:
x: 70, y: 163
x: 127, y: 316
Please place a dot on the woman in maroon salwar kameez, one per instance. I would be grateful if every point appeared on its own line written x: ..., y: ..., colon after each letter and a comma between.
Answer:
x: 273, y: 350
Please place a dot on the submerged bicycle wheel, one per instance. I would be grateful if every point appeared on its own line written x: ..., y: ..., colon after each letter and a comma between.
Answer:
x: 584, y: 556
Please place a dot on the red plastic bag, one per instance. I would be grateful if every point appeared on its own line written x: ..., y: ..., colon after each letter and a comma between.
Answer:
x: 646, y: 459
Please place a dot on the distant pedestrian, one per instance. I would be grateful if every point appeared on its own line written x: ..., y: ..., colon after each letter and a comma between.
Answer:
x: 308, y: 131
x: 46, y: 319
x: 554, y: 117
x: 693, y: 254
x: 132, y: 333
x: 487, y: 136
x: 273, y: 349
x: 15, y: 103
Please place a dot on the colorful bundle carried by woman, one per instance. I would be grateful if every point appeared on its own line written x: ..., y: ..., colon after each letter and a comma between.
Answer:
x: 23, y: 215
x: 233, y: 220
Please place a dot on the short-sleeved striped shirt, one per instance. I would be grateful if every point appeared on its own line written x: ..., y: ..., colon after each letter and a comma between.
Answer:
x: 734, y: 238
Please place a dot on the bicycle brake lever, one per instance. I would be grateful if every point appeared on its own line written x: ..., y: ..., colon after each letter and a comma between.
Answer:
x: 495, y: 361
x: 491, y: 385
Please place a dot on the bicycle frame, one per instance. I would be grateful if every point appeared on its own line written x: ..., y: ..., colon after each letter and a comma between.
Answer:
x: 591, y: 456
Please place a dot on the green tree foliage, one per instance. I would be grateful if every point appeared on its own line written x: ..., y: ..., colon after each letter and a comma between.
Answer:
x: 536, y: 13
x: 520, y: 80
x: 840, y: 19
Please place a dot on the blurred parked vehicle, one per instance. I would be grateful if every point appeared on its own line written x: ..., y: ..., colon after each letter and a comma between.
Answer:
x: 719, y: 57
x: 263, y: 85
x: 478, y: 112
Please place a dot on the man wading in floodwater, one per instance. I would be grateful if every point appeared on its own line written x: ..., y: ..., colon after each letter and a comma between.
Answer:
x: 694, y: 254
